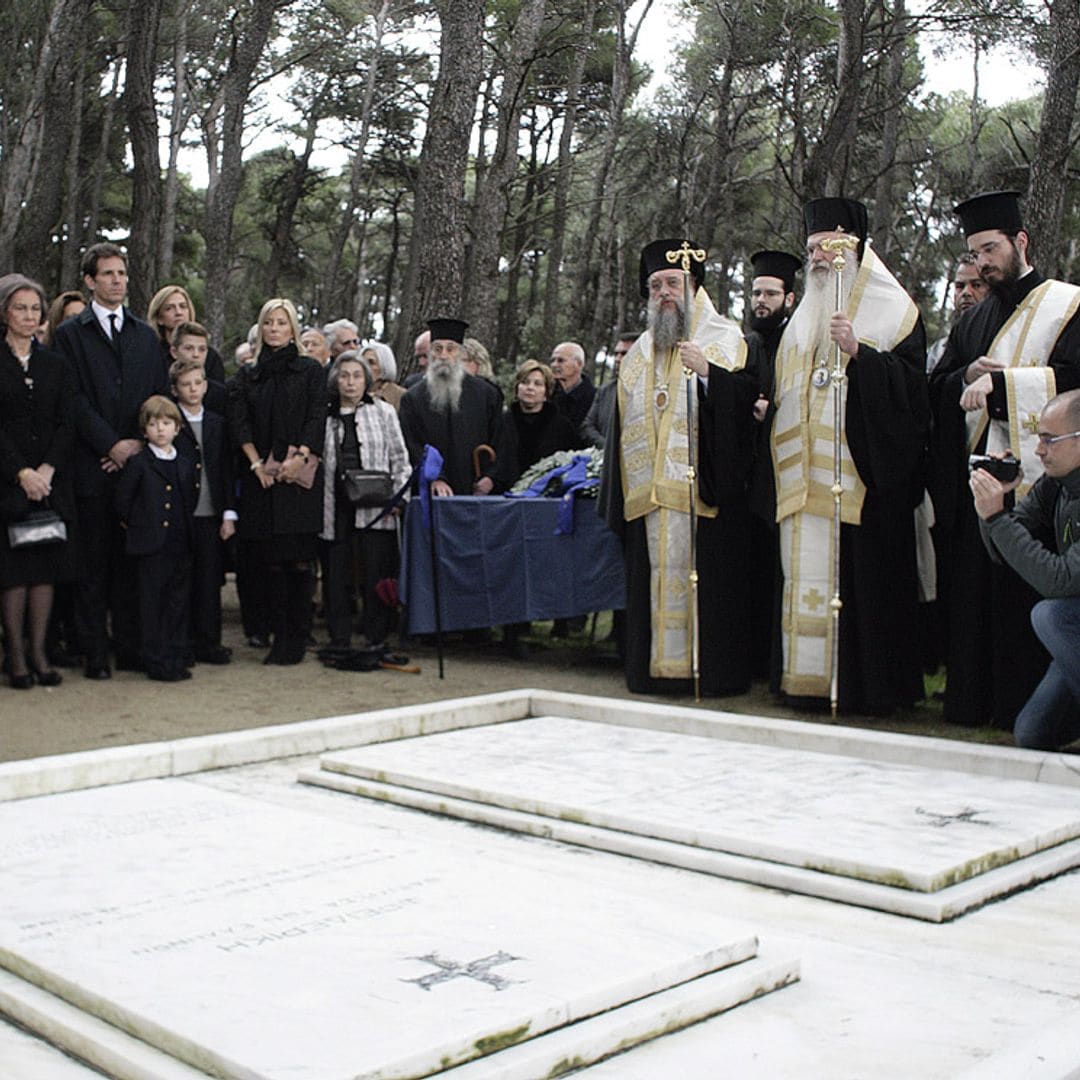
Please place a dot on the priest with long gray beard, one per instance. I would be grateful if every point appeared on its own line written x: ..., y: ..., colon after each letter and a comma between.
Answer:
x: 459, y: 414
x: 883, y: 427
x: 645, y: 495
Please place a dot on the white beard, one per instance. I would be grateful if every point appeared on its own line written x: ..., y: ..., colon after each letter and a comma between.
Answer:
x: 444, y: 379
x: 818, y: 305
x: 668, y: 327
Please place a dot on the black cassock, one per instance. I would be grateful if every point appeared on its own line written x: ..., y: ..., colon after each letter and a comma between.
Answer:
x: 477, y: 421
x: 993, y: 659
x: 725, y: 457
x: 887, y: 426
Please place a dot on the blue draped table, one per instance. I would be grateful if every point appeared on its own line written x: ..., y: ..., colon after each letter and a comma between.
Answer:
x: 501, y: 562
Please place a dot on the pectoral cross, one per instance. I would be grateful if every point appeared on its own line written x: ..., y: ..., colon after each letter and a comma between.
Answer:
x: 685, y: 255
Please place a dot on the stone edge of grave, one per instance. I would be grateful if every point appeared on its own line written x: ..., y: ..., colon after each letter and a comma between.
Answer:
x: 58, y: 773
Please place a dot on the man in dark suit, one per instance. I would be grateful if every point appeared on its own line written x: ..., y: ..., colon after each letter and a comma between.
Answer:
x: 117, y: 365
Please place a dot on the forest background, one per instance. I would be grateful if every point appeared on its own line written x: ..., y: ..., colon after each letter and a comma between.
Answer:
x: 499, y: 159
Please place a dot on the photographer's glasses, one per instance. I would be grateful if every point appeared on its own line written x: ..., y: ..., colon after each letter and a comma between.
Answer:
x: 1049, y: 440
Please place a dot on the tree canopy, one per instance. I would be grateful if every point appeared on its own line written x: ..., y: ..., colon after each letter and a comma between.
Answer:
x: 388, y: 160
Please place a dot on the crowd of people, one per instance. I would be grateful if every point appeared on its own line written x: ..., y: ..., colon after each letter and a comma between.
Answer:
x: 794, y: 501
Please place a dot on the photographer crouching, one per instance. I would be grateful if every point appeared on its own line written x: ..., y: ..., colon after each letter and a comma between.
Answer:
x: 1019, y: 536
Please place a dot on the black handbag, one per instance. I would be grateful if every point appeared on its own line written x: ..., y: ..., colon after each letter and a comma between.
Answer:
x: 366, y: 487
x: 39, y: 527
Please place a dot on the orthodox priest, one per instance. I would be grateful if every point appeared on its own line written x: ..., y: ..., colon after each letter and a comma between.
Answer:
x: 461, y: 415
x: 1005, y: 358
x: 883, y: 427
x: 646, y: 494
x: 772, y: 300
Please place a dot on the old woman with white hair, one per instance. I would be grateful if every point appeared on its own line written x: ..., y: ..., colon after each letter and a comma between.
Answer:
x: 384, y: 386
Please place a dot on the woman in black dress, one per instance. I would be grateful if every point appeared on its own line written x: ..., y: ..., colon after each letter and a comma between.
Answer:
x: 277, y: 410
x: 36, y: 440
x: 538, y: 428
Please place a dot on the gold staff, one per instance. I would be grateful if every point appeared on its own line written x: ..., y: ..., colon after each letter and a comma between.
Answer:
x: 684, y: 256
x: 837, y: 245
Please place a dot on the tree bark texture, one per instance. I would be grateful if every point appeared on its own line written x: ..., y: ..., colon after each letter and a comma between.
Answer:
x: 491, y: 206
x: 1046, y: 193
x: 433, y: 284
x: 249, y: 39
x: 144, y: 19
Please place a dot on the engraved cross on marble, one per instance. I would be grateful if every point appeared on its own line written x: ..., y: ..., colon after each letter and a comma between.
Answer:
x: 480, y: 970
x: 941, y: 821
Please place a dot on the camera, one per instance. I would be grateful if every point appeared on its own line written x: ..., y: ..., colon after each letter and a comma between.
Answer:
x: 1005, y: 469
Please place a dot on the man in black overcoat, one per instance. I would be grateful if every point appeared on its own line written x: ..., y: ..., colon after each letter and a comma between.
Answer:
x: 116, y: 363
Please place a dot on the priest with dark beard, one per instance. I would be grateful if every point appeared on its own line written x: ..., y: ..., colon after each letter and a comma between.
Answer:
x: 1005, y: 358
x: 461, y: 415
x: 883, y: 424
x: 772, y: 298
x: 645, y: 495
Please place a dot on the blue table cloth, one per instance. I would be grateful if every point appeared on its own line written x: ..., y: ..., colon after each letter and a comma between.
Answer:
x: 501, y: 562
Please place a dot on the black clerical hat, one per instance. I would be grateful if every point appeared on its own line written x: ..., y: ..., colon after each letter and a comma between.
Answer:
x: 836, y: 214
x: 777, y: 264
x: 447, y: 330
x: 990, y: 210
x: 654, y: 257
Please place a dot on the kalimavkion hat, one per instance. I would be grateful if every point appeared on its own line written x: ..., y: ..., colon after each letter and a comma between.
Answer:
x: 448, y: 330
x: 836, y: 214
x: 777, y: 264
x: 990, y: 210
x: 654, y: 257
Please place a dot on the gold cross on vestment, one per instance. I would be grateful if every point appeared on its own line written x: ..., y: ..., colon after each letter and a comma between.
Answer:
x: 684, y: 255
x: 1032, y: 423
x: 813, y: 599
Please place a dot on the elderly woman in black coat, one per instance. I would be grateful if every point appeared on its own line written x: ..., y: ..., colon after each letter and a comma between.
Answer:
x: 36, y: 440
x: 278, y: 415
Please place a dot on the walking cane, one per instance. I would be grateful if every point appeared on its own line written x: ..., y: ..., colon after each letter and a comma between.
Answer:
x: 683, y: 256
x: 837, y: 245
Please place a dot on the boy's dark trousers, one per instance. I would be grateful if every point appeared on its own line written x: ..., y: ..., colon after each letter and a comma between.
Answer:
x: 164, y: 599
x: 207, y: 575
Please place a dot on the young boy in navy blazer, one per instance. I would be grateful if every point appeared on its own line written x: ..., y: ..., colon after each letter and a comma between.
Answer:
x: 156, y: 496
x: 203, y: 441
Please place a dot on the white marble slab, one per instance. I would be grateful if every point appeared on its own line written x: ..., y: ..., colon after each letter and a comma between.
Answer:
x: 894, y: 825
x: 249, y: 939
x: 937, y: 907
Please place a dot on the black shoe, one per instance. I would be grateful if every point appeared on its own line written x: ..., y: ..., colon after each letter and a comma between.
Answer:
x: 216, y: 654
x: 97, y: 671
x: 166, y: 674
x: 48, y: 678
x: 21, y: 682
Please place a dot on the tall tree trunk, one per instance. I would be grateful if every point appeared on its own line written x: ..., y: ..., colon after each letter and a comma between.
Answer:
x: 177, y: 122
x: 72, y: 217
x: 826, y: 166
x: 144, y: 18
x: 595, y: 243
x: 102, y: 157
x: 563, y: 173
x: 1046, y: 192
x: 896, y: 49
x: 248, y: 43
x: 433, y: 284
x: 289, y: 195
x: 22, y: 167
x: 357, y: 168
x: 491, y: 206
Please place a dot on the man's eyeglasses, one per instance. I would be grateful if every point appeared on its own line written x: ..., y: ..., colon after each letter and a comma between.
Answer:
x: 1049, y: 440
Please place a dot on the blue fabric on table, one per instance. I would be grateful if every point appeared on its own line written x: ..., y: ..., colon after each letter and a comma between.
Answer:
x: 500, y: 561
